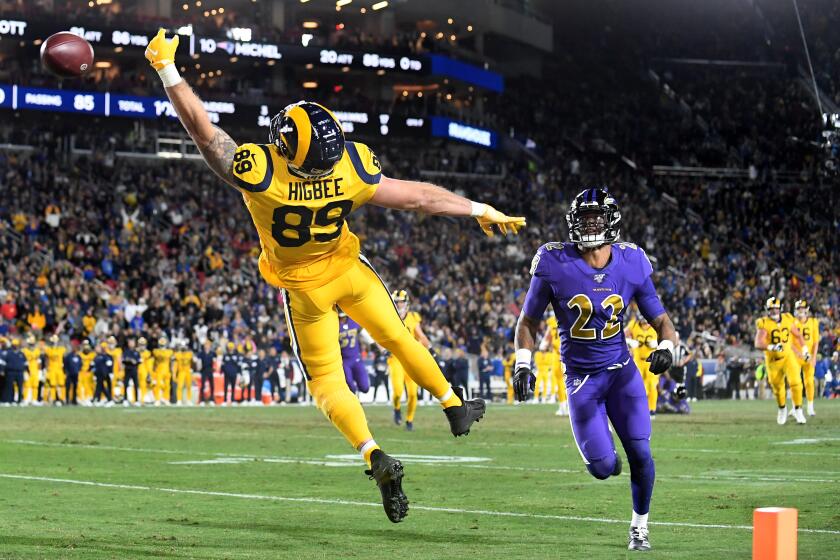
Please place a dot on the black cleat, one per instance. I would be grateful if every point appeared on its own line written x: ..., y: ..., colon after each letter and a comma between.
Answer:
x: 397, y: 417
x: 409, y: 426
x: 617, y: 469
x: 388, y: 474
x: 462, y: 417
x: 638, y: 539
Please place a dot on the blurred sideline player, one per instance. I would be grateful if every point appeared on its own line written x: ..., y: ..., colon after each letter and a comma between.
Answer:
x: 86, y: 382
x: 773, y: 335
x: 183, y: 374
x: 163, y: 372
x: 589, y: 284
x: 558, y: 369
x: 55, y: 370
x: 399, y: 377
x: 508, y: 364
x: 350, y: 337
x: 118, y: 383
x: 542, y: 363
x: 299, y: 189
x: 33, y: 361
x: 145, y: 369
x: 642, y: 338
x: 810, y: 329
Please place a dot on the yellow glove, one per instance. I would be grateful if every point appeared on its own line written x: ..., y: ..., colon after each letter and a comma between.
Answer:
x: 161, y: 51
x: 490, y: 217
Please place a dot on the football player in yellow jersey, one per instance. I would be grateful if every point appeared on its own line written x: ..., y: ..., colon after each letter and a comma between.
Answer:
x: 33, y: 374
x: 543, y: 362
x: 55, y: 370
x: 508, y: 364
x: 116, y: 353
x: 810, y: 329
x: 183, y: 374
x: 773, y: 335
x: 558, y: 369
x: 86, y: 384
x: 399, y: 377
x: 163, y: 372
x: 146, y: 368
x: 642, y: 338
x: 299, y: 189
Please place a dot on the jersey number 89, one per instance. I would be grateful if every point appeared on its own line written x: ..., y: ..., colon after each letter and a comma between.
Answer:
x: 291, y: 226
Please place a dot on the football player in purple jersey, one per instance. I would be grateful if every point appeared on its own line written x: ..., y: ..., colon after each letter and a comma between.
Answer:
x: 350, y: 336
x: 590, y: 282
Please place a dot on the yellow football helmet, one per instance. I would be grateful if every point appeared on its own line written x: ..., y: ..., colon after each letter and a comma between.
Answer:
x: 801, y: 308
x: 54, y: 339
x: 773, y: 305
x: 142, y: 341
x: 401, y: 300
x: 162, y: 342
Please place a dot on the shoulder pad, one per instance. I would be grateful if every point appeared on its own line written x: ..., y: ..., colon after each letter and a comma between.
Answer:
x: 253, y: 167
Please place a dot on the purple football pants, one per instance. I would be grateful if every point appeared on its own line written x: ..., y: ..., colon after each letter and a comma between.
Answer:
x: 356, y: 375
x: 617, y: 396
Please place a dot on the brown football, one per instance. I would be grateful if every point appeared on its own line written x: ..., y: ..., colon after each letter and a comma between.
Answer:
x: 66, y: 55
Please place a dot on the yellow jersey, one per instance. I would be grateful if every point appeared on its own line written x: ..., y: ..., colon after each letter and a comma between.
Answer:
x: 810, y: 329
x: 55, y: 358
x: 183, y: 361
x: 777, y: 333
x: 87, y: 360
x: 543, y: 361
x: 116, y: 355
x: 33, y: 359
x: 647, y: 339
x: 300, y: 221
x: 551, y: 323
x: 162, y: 358
x: 412, y: 319
x: 509, y: 362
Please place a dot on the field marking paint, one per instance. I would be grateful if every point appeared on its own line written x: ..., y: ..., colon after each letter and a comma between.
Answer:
x: 417, y: 459
x: 353, y: 460
x: 329, y: 501
x: 805, y: 441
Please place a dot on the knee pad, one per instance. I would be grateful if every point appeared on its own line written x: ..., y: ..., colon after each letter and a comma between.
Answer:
x: 602, y: 468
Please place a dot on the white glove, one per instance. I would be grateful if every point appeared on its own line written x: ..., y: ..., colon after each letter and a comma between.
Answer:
x: 806, y: 355
x: 775, y: 347
x: 632, y: 343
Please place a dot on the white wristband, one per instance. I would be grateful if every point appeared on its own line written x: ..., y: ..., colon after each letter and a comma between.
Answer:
x: 477, y: 209
x: 169, y: 75
x: 523, y: 358
x: 666, y: 345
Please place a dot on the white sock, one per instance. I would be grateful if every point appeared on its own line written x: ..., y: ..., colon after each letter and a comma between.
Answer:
x: 639, y: 520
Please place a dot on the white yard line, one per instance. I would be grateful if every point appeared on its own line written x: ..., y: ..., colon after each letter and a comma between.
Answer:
x: 703, y: 478
x: 327, y: 501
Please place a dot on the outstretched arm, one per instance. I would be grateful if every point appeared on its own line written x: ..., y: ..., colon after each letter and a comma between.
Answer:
x: 215, y: 145
x: 435, y: 200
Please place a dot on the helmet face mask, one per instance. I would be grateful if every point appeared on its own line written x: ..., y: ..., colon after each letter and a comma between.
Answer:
x: 593, y: 219
x: 801, y: 310
x: 401, y: 301
x: 774, y: 308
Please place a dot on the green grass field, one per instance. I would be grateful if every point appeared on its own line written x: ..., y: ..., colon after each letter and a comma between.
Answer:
x: 274, y: 483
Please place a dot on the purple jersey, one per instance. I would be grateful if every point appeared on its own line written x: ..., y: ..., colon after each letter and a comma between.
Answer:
x: 348, y: 338
x: 589, y: 304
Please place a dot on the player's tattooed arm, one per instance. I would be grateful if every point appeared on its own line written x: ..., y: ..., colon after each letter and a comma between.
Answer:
x: 218, y: 154
x: 216, y: 146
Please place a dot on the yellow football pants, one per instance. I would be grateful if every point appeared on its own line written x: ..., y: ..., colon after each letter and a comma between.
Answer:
x: 55, y: 379
x: 86, y: 386
x: 399, y: 379
x: 142, y: 375
x: 30, y: 387
x: 785, y: 368
x: 542, y: 386
x: 808, y: 379
x: 559, y: 382
x: 509, y: 383
x: 313, y: 325
x: 651, y: 382
x: 163, y: 384
x: 184, y: 381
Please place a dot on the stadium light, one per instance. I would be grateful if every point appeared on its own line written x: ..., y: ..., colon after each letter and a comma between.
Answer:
x: 310, y: 25
x: 363, y: 10
x: 343, y: 2
x: 469, y: 28
x: 450, y: 21
x: 310, y: 85
x: 380, y: 5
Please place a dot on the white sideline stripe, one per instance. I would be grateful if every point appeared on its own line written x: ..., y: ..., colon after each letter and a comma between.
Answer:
x: 329, y: 501
x: 707, y: 477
